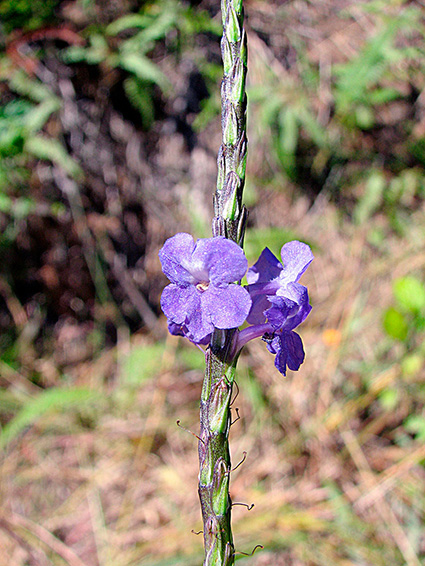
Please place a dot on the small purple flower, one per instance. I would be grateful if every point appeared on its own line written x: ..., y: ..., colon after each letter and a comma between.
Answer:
x: 202, y: 294
x: 279, y: 304
x: 277, y: 297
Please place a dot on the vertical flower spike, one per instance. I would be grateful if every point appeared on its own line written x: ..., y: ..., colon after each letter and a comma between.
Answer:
x: 230, y: 215
x: 229, y: 221
x: 206, y: 303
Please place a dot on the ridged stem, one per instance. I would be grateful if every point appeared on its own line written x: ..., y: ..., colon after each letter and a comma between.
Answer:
x: 230, y: 215
x: 229, y: 221
x: 214, y: 458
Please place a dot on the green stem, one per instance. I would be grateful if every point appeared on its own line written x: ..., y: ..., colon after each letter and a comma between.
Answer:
x: 230, y: 214
x: 214, y: 459
x: 229, y: 221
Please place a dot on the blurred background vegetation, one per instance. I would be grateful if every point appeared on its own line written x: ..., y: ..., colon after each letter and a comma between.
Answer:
x: 109, y: 129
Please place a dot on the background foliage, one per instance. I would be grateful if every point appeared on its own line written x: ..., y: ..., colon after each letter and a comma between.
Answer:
x: 109, y: 128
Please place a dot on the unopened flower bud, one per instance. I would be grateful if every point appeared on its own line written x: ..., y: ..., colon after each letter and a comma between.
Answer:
x: 220, y: 488
x: 219, y: 406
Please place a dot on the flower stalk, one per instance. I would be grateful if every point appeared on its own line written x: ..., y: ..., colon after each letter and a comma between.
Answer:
x: 229, y: 221
x: 206, y: 303
x: 229, y: 213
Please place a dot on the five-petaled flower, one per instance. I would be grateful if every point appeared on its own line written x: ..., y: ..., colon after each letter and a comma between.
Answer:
x: 203, y: 294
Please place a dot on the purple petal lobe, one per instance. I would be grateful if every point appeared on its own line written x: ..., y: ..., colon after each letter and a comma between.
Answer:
x: 182, y: 306
x: 296, y: 257
x: 281, y: 309
x: 202, y: 294
x: 293, y: 345
x: 182, y: 330
x: 266, y: 268
x: 287, y: 312
x: 226, y: 307
x: 179, y: 303
x: 199, y: 327
x: 224, y: 260
x: 176, y: 329
x: 289, y: 351
x: 276, y: 296
x: 260, y: 304
x: 176, y: 258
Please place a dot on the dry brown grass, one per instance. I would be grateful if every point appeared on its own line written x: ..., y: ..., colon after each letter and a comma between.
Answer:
x: 115, y: 482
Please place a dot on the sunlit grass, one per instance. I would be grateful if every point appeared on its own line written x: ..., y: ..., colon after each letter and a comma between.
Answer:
x: 333, y: 474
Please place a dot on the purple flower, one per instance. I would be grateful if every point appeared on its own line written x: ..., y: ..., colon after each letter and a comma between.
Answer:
x: 277, y: 297
x: 288, y: 348
x: 202, y: 294
x: 279, y: 304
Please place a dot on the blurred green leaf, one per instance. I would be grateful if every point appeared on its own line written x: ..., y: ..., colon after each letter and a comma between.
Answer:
x: 144, y: 69
x: 5, y: 202
x: 364, y: 117
x: 415, y: 424
x: 95, y: 53
x: 160, y: 25
x: 22, y: 207
x: 287, y: 140
x: 26, y: 14
x: 411, y: 365
x: 192, y: 358
x: 52, y: 150
x: 142, y: 363
x: 361, y: 73
x: 410, y: 294
x: 35, y: 90
x: 395, y: 324
x: 49, y: 401
x: 129, y: 21
x: 372, y: 198
x: 389, y: 399
x: 138, y: 93
x: 38, y: 116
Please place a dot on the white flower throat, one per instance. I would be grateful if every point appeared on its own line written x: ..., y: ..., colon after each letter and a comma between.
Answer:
x: 202, y: 286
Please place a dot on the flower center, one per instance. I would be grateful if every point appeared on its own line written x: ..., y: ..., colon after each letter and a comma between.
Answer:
x: 202, y: 286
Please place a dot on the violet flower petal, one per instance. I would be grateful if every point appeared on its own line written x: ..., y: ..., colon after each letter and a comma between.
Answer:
x: 228, y: 307
x: 266, y: 268
x: 178, y: 302
x: 176, y: 329
x: 292, y: 343
x: 289, y: 351
x: 294, y: 292
x: 280, y: 310
x: 183, y: 307
x: 182, y: 330
x: 296, y: 257
x: 260, y: 304
x: 286, y: 313
x: 198, y: 326
x: 176, y: 258
x: 223, y: 259
x: 268, y: 278
x: 202, y: 295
